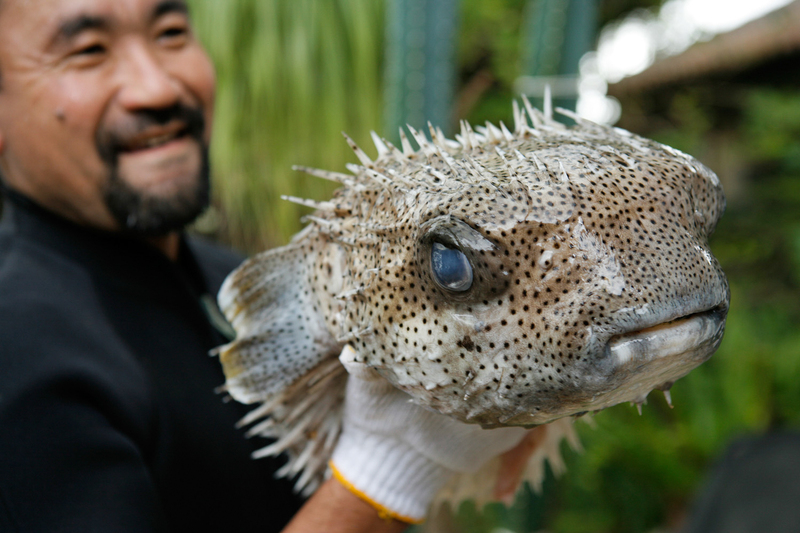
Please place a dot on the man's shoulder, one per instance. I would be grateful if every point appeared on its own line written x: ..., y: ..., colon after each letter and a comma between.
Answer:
x: 47, y: 303
x: 52, y: 325
x: 32, y: 274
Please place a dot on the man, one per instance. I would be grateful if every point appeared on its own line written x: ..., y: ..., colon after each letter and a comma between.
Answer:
x: 108, y: 420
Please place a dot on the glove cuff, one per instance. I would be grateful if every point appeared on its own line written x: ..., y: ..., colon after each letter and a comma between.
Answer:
x: 388, y: 474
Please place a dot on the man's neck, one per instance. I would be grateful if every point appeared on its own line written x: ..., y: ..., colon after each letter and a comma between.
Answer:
x: 168, y: 244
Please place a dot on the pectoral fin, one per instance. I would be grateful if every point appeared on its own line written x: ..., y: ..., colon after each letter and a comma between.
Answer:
x: 284, y: 357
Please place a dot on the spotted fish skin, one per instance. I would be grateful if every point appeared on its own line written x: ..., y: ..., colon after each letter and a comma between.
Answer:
x: 591, y: 281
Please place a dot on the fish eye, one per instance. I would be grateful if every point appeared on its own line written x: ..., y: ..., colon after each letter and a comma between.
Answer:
x: 451, y: 268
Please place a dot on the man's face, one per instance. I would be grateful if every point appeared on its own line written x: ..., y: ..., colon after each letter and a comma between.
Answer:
x: 105, y: 110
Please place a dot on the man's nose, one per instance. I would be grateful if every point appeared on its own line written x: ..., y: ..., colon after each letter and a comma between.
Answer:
x: 146, y: 82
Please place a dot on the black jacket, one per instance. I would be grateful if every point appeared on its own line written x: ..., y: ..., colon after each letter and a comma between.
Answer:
x: 108, y: 416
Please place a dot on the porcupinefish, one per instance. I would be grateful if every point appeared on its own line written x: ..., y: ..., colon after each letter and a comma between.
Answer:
x: 504, y: 278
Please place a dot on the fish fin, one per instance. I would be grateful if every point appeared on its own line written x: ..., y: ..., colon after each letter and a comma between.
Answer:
x: 285, y: 358
x: 480, y: 485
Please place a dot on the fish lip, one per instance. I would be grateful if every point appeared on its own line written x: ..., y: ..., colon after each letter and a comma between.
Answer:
x: 697, y: 335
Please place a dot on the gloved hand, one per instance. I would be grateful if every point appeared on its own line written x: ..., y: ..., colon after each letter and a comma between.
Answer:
x: 395, y: 454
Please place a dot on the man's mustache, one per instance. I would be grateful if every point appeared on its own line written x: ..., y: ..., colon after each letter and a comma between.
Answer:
x: 114, y: 138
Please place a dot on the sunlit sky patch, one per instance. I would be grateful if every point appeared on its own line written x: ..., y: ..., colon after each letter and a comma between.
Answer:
x: 632, y: 44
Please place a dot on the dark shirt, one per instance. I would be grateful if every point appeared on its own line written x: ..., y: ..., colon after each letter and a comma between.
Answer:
x: 109, y: 420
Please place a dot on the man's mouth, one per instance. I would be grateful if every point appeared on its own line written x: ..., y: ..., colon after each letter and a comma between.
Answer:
x: 154, y: 137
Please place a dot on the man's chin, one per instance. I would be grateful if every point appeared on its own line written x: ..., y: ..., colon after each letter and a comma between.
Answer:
x: 170, y: 198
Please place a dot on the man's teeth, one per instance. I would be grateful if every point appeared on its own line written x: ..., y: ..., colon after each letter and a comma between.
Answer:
x: 161, y: 139
x: 151, y: 142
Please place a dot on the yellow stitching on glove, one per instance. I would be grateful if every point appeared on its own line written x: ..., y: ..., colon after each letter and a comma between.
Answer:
x: 383, y: 512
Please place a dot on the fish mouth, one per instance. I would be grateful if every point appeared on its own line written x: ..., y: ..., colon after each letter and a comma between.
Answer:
x: 667, y: 339
x: 656, y: 356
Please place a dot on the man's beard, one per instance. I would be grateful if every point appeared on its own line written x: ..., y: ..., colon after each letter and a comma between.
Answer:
x: 149, y: 215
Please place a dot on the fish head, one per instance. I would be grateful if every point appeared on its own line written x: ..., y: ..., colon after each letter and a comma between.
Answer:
x: 542, y: 276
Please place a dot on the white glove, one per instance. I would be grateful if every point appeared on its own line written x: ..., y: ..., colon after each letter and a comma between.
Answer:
x: 395, y: 454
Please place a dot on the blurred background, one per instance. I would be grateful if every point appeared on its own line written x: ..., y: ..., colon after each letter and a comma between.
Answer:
x: 718, y: 79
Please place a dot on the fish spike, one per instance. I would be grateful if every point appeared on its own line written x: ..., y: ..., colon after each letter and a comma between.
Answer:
x: 325, y: 223
x: 478, y: 171
x: 450, y: 143
x: 437, y: 136
x: 484, y: 130
x: 379, y: 144
x: 642, y: 400
x: 346, y: 241
x: 355, y: 169
x: 539, y: 165
x: 668, y: 397
x: 393, y: 151
x: 466, y: 172
x: 422, y: 141
x: 362, y: 156
x: 477, y: 138
x: 377, y: 176
x: 564, y: 176
x: 377, y: 229
x: 259, y: 412
x: 337, y: 177
x: 534, y: 114
x: 322, y: 206
x: 408, y: 150
x: 446, y: 143
x: 519, y: 119
x: 387, y: 182
x: 432, y: 131
x: 351, y: 294
x: 451, y: 163
x: 435, y: 173
x: 509, y: 168
x: 398, y: 178
x: 353, y: 335
x: 507, y: 135
x: 464, y: 137
x: 495, y: 132
x: 539, y: 119
x: 576, y: 117
x: 548, y: 103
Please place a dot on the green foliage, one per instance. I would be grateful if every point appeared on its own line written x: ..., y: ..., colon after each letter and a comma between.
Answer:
x: 772, y: 121
x: 489, y: 58
x: 291, y: 77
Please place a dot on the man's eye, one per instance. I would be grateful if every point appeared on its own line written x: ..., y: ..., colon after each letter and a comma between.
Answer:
x: 94, y: 49
x: 174, y: 34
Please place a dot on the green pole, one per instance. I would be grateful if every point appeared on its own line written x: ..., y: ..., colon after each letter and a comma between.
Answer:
x: 556, y: 34
x: 420, y: 64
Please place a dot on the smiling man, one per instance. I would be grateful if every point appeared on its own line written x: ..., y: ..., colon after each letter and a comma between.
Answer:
x: 125, y: 93
x: 108, y: 419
